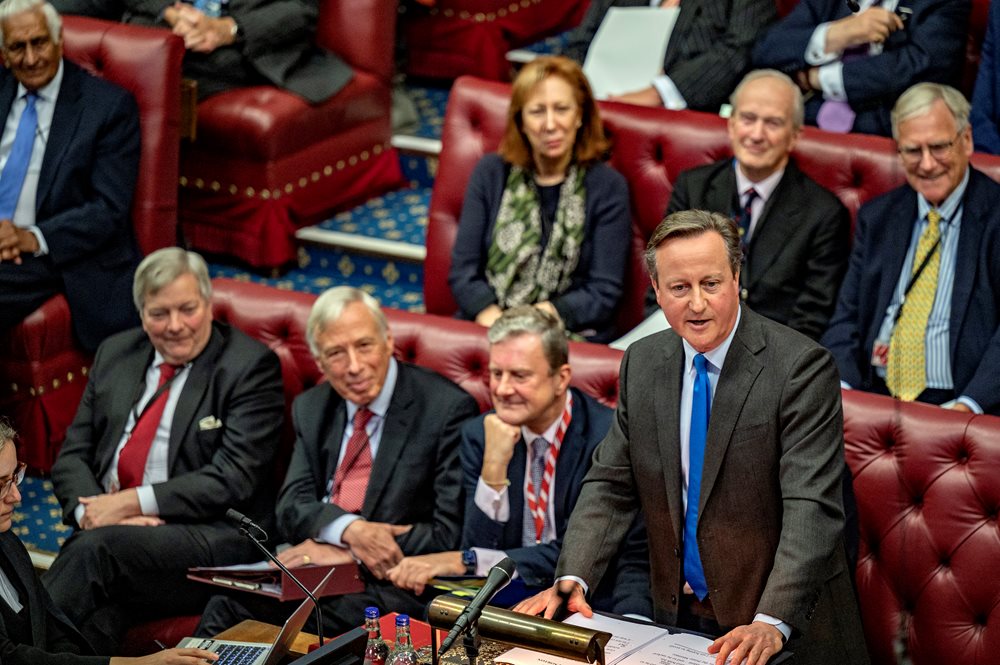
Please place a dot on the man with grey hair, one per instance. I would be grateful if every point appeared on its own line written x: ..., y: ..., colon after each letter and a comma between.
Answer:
x: 69, y: 158
x: 523, y: 464
x: 795, y: 233
x: 919, y: 313
x: 729, y: 437
x: 178, y: 423
x: 374, y: 474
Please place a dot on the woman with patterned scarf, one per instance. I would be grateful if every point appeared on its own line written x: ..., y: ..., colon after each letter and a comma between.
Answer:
x: 545, y: 222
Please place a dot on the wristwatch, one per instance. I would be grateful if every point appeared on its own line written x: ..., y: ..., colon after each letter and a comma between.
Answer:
x: 469, y: 560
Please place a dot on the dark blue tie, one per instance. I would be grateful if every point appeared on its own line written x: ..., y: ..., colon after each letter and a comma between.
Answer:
x: 746, y: 216
x: 16, y: 167
x: 701, y: 406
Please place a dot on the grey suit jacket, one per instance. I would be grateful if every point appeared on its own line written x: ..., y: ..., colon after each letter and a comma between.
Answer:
x: 771, y: 520
x: 416, y: 477
x: 799, y: 248
x: 708, y: 51
x: 236, y: 379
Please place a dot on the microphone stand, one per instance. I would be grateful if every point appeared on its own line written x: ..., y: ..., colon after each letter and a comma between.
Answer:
x: 244, y: 527
x: 471, y: 642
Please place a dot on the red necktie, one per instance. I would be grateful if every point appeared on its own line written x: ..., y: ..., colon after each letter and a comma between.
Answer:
x: 351, y: 479
x: 132, y: 459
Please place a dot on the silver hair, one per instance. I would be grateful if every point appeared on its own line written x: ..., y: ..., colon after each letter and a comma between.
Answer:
x: 529, y: 320
x: 798, y: 105
x: 917, y: 100
x: 685, y: 223
x: 330, y: 305
x: 165, y: 265
x: 10, y: 8
x: 7, y: 433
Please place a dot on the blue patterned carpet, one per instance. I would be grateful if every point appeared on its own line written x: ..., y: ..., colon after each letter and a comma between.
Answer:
x: 38, y: 520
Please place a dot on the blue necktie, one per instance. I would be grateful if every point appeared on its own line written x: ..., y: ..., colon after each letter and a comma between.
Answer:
x: 701, y: 406
x: 537, y: 451
x: 14, y: 171
x: 746, y: 216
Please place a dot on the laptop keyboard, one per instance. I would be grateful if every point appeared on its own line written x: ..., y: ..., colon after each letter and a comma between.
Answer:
x: 237, y: 654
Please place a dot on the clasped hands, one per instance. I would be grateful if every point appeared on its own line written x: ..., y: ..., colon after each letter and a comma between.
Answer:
x: 752, y: 644
x: 201, y: 33
x: 372, y: 543
x: 116, y: 508
x: 15, y: 241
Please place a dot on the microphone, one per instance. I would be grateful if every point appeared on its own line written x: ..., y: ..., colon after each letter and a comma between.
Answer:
x: 499, y: 577
x: 245, y: 524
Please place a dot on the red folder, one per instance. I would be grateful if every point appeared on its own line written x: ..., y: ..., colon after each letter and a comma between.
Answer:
x: 276, y: 584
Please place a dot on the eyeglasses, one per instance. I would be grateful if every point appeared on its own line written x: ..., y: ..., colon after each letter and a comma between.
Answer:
x: 939, y: 151
x: 14, y: 479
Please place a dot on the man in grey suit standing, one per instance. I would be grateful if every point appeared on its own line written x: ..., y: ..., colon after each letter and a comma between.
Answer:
x: 729, y: 436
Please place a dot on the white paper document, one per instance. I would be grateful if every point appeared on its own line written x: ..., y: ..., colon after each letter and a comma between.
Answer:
x: 627, y: 52
x: 631, y: 644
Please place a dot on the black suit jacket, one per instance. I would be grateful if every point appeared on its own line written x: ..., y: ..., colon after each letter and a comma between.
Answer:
x: 882, y: 238
x: 54, y: 640
x: 770, y: 513
x: 236, y: 380
x: 709, y: 48
x: 415, y: 477
x: 276, y: 39
x: 931, y: 47
x: 625, y: 591
x: 798, y: 251
x: 84, y: 198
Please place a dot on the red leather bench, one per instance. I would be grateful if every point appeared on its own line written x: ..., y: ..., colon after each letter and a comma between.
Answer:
x: 265, y: 162
x: 650, y: 147
x: 42, y: 370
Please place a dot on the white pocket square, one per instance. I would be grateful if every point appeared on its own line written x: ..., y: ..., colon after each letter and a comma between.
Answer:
x: 209, y: 422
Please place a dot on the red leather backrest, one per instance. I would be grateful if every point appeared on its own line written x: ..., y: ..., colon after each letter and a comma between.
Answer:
x: 928, y: 496
x: 147, y: 63
x: 362, y: 32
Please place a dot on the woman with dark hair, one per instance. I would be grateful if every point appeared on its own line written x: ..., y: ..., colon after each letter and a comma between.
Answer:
x: 545, y: 222
x: 33, y: 631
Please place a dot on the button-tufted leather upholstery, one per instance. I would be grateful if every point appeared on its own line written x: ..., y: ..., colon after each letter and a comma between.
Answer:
x: 928, y: 492
x: 265, y: 162
x: 457, y: 37
x: 650, y: 147
x: 42, y: 371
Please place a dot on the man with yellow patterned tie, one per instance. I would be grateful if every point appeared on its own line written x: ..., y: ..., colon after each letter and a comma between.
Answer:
x: 918, y: 315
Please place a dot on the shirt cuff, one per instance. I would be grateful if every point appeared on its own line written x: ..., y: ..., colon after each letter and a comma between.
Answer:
x: 783, y: 627
x: 669, y: 94
x: 574, y: 578
x: 78, y: 513
x: 969, y: 402
x: 831, y: 81
x: 495, y: 505
x: 147, y: 500
x: 844, y: 385
x: 333, y: 532
x: 486, y: 559
x: 43, y: 247
x: 816, y: 54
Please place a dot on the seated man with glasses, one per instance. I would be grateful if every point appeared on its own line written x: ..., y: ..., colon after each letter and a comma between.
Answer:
x: 32, y: 629
x: 918, y: 315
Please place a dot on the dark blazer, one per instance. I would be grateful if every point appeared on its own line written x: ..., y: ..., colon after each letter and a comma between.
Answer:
x: 709, y: 48
x: 415, y: 476
x: 236, y: 379
x: 54, y: 640
x: 882, y: 238
x: 596, y: 287
x: 276, y: 39
x: 985, y: 112
x: 931, y: 47
x: 798, y: 251
x: 84, y: 198
x: 771, y: 520
x: 536, y: 565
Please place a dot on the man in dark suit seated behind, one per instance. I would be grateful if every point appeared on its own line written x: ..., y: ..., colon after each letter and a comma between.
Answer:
x: 69, y: 158
x: 178, y: 423
x: 795, y: 234
x: 374, y: 475
x: 919, y: 313
x: 237, y: 43
x: 513, y: 508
